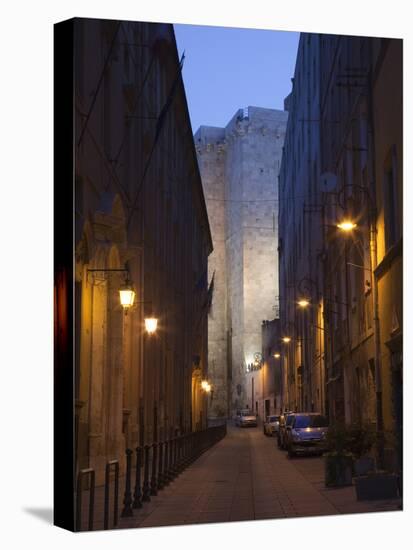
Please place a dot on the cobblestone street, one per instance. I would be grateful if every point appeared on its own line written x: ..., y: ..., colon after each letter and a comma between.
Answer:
x: 246, y: 477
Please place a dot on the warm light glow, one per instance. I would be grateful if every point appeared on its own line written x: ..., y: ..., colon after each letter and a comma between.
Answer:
x: 206, y: 386
x: 346, y: 225
x: 277, y: 355
x: 127, y: 296
x: 150, y: 324
x: 286, y: 339
x: 303, y: 303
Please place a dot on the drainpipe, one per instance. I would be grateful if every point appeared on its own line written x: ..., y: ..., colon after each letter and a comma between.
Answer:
x: 374, y: 281
x: 377, y: 343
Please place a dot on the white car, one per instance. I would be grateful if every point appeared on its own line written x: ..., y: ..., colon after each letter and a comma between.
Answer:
x: 246, y: 418
x: 271, y: 425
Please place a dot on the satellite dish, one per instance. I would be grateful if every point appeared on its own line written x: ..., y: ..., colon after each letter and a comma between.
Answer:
x: 328, y: 181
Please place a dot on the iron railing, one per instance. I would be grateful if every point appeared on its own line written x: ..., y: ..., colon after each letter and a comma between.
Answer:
x: 156, y: 466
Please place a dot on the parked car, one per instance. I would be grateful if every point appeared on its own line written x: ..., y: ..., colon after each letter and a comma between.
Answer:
x: 271, y: 425
x: 285, y: 422
x: 246, y: 418
x: 307, y: 434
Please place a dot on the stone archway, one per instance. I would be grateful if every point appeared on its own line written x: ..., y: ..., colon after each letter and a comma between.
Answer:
x: 101, y: 334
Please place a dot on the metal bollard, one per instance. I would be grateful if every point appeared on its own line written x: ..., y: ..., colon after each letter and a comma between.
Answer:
x: 178, y: 456
x: 127, y: 499
x: 171, y: 459
x: 188, y: 450
x: 137, y: 495
x: 174, y: 455
x: 91, y: 474
x: 182, y: 454
x: 166, y: 464
x: 191, y: 447
x: 146, y: 487
x: 185, y: 452
x: 154, y: 484
x: 160, y: 466
x: 109, y: 466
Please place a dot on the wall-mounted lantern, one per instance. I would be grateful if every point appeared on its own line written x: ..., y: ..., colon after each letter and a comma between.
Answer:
x: 151, y: 324
x: 206, y: 386
x: 127, y: 295
x: 126, y: 291
x: 347, y: 225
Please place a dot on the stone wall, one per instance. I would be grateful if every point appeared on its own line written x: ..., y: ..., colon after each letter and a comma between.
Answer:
x: 239, y: 168
x: 212, y: 167
x: 144, y: 214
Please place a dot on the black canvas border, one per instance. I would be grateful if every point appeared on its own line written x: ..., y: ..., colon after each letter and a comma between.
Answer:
x: 63, y: 172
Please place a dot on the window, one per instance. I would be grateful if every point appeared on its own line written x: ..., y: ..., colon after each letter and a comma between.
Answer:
x: 391, y: 211
x: 310, y: 421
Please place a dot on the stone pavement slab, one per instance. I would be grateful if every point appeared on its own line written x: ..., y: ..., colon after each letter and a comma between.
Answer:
x: 246, y: 477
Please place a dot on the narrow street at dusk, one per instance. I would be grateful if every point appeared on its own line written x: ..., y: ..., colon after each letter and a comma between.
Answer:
x: 246, y: 477
x: 243, y: 272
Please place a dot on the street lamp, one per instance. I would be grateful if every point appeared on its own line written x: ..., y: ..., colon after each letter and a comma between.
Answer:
x: 286, y: 339
x: 126, y: 291
x: 151, y: 324
x: 126, y: 295
x: 303, y: 303
x: 347, y: 225
x: 277, y: 355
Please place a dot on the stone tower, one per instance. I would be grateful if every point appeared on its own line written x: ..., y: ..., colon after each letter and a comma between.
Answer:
x: 239, y: 167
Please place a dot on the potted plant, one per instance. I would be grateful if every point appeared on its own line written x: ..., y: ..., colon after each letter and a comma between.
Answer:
x: 360, y: 442
x: 338, y: 461
x: 377, y: 484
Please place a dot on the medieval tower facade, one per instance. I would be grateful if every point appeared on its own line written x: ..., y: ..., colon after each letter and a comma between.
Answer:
x: 239, y: 166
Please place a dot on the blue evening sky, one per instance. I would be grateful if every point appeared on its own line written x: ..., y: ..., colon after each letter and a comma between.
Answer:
x: 226, y: 69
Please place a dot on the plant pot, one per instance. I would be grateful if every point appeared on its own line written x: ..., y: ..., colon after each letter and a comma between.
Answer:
x: 377, y: 486
x: 338, y: 470
x: 363, y: 465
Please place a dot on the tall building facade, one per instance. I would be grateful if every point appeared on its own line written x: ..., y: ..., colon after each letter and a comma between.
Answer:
x: 301, y: 238
x: 364, y: 149
x: 387, y: 90
x: 140, y: 215
x: 239, y: 166
x: 271, y: 370
x: 346, y: 106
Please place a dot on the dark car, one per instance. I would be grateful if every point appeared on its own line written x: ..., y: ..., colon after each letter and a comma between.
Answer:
x: 307, y: 434
x: 284, y: 427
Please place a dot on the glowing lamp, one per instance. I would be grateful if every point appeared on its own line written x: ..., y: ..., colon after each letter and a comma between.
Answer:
x: 127, y: 296
x: 151, y: 324
x: 346, y: 225
x: 303, y: 303
x: 286, y: 339
x: 277, y: 355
